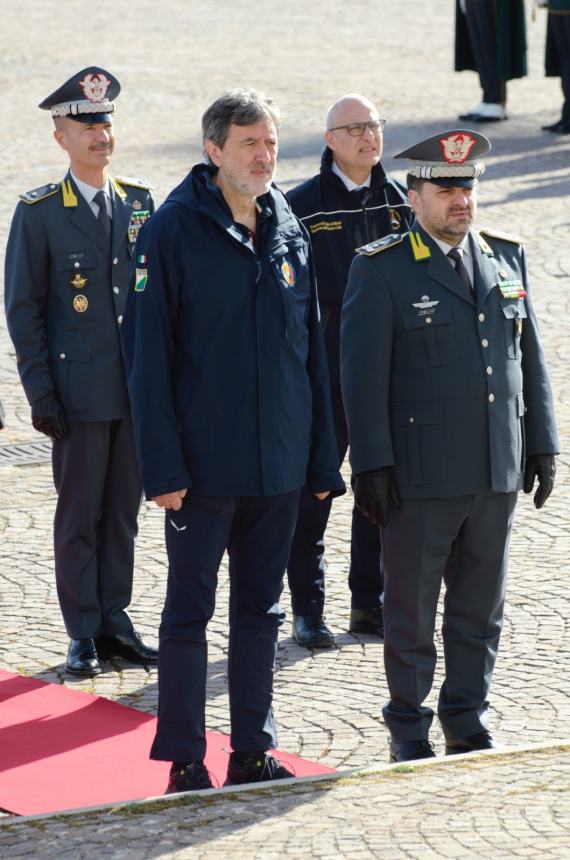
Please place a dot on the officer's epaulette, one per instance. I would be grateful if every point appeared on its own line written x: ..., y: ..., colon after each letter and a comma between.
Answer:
x: 39, y: 193
x: 380, y: 244
x: 134, y: 183
x: 498, y: 234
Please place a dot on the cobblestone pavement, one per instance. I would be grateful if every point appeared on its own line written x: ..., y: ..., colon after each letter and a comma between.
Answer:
x: 172, y: 61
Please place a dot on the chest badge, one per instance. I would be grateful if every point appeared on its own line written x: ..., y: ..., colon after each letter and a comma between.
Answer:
x: 288, y: 273
x: 425, y: 306
x: 78, y: 281
x: 80, y: 303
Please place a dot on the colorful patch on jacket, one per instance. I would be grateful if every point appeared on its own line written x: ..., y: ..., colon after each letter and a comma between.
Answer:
x: 288, y: 273
x: 141, y: 277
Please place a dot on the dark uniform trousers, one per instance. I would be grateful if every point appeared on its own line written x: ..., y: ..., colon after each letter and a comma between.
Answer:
x: 257, y: 532
x: 559, y: 35
x: 99, y: 492
x: 463, y: 542
x: 481, y: 27
x: 306, y: 568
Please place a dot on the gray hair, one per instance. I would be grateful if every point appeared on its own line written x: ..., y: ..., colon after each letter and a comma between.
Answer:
x: 240, y: 107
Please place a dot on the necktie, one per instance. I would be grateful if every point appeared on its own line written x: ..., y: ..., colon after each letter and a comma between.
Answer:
x: 103, y: 216
x: 457, y: 256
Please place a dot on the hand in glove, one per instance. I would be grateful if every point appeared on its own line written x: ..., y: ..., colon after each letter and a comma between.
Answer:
x: 373, y: 494
x: 543, y: 467
x: 48, y: 418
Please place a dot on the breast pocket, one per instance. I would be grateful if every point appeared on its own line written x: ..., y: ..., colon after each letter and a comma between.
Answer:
x: 514, y: 313
x: 430, y: 337
x: 418, y: 438
x: 74, y: 268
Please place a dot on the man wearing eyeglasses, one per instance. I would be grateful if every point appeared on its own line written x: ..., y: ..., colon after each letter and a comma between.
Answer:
x: 350, y: 202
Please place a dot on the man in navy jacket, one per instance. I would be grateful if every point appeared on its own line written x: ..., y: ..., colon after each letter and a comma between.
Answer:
x: 229, y: 386
x: 349, y: 203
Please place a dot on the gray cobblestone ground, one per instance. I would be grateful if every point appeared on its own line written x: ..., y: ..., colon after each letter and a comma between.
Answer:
x: 172, y: 61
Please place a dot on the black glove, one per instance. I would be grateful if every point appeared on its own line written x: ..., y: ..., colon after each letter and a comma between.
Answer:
x: 543, y: 467
x: 373, y: 493
x: 48, y: 418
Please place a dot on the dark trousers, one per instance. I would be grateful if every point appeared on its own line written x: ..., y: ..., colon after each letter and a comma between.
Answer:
x: 257, y: 535
x: 560, y: 29
x: 481, y: 27
x: 99, y: 491
x: 463, y: 542
x: 306, y: 567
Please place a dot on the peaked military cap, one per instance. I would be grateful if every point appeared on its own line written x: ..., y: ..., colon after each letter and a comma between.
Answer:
x: 86, y: 97
x: 449, y: 158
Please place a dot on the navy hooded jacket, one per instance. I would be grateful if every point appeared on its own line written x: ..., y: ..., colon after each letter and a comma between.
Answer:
x: 223, y: 346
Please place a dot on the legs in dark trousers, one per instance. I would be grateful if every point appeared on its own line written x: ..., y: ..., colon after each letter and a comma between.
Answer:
x: 257, y: 533
x: 560, y: 26
x: 482, y: 35
x: 463, y: 541
x: 99, y: 491
x: 306, y: 569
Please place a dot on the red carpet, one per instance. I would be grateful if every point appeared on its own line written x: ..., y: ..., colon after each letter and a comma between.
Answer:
x: 62, y: 748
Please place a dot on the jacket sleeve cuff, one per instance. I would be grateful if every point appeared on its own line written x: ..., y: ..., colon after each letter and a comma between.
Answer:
x: 181, y: 483
x: 319, y: 482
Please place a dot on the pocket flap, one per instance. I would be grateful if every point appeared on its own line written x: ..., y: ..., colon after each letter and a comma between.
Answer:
x: 514, y: 310
x: 68, y: 262
x: 424, y: 412
x: 71, y: 352
x: 438, y: 315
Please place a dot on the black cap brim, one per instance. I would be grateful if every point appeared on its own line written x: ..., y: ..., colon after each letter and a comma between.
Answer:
x: 91, y: 118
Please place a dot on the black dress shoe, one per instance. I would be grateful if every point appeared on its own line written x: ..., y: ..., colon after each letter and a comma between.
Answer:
x: 130, y: 646
x: 555, y: 126
x: 255, y: 767
x: 189, y: 776
x: 479, y: 741
x: 310, y: 631
x: 369, y: 621
x: 82, y: 658
x: 411, y: 750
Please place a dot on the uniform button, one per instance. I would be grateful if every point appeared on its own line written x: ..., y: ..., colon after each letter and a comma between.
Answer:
x: 491, y: 398
x: 116, y: 290
x: 428, y: 320
x: 62, y: 355
x: 76, y: 265
x: 481, y: 317
x: 120, y: 319
x: 411, y: 420
x: 489, y: 371
x: 115, y: 261
x: 485, y: 342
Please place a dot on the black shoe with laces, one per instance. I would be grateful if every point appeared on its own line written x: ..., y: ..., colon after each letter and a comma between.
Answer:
x: 411, y: 750
x: 255, y: 767
x: 310, y: 631
x: 188, y: 776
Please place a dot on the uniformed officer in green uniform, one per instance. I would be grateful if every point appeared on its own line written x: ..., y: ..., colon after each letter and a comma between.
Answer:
x: 450, y: 413
x: 67, y: 268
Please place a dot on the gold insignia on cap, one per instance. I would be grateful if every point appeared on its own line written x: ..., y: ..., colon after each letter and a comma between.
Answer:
x: 78, y: 281
x: 457, y: 147
x: 80, y: 303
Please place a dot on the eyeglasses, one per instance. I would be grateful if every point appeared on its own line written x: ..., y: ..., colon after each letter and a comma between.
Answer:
x: 357, y: 129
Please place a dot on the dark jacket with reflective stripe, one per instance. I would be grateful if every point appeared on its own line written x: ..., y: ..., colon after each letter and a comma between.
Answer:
x: 226, y: 364
x: 339, y: 221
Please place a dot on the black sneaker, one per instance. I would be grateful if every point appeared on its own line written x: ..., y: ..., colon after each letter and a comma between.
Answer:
x: 257, y: 767
x: 191, y: 776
